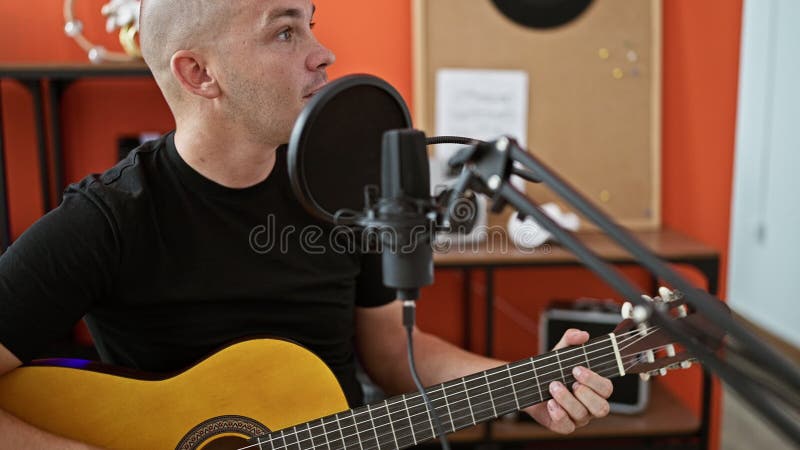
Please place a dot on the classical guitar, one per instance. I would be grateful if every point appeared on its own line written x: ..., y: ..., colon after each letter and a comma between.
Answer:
x: 272, y: 394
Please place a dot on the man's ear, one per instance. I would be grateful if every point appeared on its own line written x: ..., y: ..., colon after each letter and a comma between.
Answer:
x: 190, y: 69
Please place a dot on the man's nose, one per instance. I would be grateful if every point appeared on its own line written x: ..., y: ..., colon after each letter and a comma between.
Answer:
x: 320, y: 58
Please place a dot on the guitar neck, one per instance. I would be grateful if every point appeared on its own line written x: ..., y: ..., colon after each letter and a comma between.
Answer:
x: 404, y: 420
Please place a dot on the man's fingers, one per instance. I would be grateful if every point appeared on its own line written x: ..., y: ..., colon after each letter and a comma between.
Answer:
x: 597, y: 405
x: 568, y: 410
x: 559, y: 419
x: 570, y: 404
x: 600, y: 385
x: 573, y: 336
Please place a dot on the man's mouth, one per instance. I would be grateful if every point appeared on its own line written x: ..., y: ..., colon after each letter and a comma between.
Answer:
x: 314, y: 91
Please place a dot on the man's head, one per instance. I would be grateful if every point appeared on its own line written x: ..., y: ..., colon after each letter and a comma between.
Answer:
x: 247, y: 65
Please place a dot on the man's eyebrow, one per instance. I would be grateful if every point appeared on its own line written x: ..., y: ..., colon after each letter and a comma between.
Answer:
x: 293, y: 13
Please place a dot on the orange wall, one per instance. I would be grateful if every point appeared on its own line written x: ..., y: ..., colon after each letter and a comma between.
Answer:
x: 701, y: 55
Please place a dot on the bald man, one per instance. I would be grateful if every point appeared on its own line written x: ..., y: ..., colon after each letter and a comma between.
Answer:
x: 156, y: 253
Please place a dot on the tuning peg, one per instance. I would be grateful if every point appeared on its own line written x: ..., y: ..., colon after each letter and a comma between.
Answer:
x: 627, y: 311
x: 670, y: 350
x: 640, y: 314
x: 686, y: 364
x: 636, y: 313
x: 669, y: 296
x: 653, y: 373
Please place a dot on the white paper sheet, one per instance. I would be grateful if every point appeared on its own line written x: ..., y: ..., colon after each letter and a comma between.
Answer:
x: 482, y: 104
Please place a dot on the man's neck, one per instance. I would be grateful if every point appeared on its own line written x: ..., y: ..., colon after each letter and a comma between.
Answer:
x: 230, y: 160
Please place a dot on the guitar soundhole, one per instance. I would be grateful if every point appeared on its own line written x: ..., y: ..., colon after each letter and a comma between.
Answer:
x: 225, y: 443
x: 222, y: 433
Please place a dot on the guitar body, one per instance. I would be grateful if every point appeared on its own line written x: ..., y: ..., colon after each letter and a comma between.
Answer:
x: 247, y: 389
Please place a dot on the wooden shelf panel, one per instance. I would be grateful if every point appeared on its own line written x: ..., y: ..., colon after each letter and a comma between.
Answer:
x: 666, y: 244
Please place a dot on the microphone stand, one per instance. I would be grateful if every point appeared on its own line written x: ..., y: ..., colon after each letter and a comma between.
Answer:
x: 487, y: 168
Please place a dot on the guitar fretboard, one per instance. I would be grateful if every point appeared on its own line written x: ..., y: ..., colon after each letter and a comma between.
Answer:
x: 404, y: 421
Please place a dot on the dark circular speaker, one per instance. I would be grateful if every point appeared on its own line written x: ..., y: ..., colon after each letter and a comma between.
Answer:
x: 542, y: 13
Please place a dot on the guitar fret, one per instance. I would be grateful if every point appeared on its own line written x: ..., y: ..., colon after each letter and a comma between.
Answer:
x: 447, y: 406
x: 292, y: 439
x: 398, y: 415
x: 489, y: 390
x: 538, y: 385
x: 459, y: 419
x: 343, y: 425
x: 469, y: 402
x: 410, y: 423
x: 341, y: 431
x: 391, y: 425
x: 430, y: 418
x: 325, y: 434
x: 317, y: 430
x: 502, y: 389
x: 560, y: 368
x: 259, y: 442
x: 422, y: 418
x: 511, y: 382
x: 382, y: 423
x: 586, y: 357
x: 301, y: 441
x: 480, y: 397
x: 440, y: 404
x: 364, y: 435
x: 372, y: 424
x: 355, y: 428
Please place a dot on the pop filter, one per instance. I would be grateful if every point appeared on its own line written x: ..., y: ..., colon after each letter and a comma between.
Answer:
x: 335, y: 147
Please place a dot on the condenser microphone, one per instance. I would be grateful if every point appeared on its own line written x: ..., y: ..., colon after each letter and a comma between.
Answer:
x: 406, y: 212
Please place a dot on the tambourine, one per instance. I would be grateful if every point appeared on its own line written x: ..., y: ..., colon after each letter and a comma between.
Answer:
x: 122, y: 14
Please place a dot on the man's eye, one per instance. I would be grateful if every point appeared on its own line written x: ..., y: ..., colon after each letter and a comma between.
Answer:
x: 286, y: 34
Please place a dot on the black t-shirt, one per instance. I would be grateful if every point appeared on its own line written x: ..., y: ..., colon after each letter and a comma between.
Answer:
x: 169, y: 266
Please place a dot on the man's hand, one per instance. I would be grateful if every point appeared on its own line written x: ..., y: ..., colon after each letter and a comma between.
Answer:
x: 574, y: 406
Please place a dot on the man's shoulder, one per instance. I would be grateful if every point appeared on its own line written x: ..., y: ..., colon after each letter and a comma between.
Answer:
x: 130, y: 175
x: 127, y: 185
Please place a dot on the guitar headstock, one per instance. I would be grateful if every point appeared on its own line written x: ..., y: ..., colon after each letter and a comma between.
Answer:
x: 649, y: 350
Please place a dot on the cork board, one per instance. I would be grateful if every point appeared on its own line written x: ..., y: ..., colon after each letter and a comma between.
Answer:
x: 594, y: 94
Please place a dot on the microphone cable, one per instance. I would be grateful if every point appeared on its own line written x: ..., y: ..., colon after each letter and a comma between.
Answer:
x: 409, y: 313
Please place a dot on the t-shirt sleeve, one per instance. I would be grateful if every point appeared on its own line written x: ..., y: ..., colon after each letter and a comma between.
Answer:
x: 370, y: 290
x: 54, y: 272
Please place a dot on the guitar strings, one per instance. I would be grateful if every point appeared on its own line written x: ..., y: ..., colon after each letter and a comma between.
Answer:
x: 504, y: 404
x: 350, y: 438
x: 469, y: 407
x: 624, y: 343
x: 355, y: 424
x: 347, y: 442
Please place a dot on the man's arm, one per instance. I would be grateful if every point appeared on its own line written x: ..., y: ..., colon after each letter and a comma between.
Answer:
x: 18, y: 435
x: 381, y: 343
